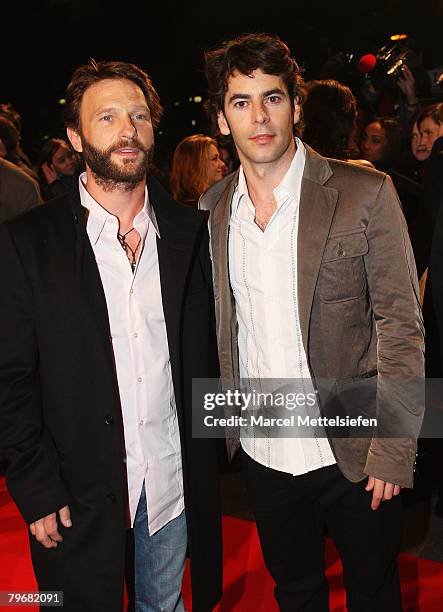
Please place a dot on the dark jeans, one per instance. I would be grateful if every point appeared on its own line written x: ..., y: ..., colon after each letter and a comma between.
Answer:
x: 292, y: 512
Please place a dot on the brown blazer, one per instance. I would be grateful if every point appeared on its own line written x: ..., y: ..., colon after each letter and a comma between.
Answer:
x: 359, y: 308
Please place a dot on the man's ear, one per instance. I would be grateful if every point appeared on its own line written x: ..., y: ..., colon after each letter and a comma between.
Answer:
x: 223, y: 124
x: 74, y: 139
x: 297, y: 110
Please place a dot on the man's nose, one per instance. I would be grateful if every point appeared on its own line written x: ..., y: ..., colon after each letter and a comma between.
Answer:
x: 260, y: 114
x: 128, y: 128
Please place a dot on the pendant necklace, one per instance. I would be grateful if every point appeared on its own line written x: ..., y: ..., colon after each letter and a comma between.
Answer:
x: 130, y: 252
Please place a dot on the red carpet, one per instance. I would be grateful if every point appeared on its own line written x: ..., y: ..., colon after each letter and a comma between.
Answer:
x: 247, y: 586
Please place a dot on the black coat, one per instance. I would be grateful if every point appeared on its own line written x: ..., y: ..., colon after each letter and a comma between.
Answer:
x: 434, y: 203
x: 60, y: 418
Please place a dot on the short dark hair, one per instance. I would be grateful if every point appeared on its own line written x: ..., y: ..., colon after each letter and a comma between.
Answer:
x: 245, y: 54
x: 329, y: 113
x: 434, y: 111
x: 94, y: 72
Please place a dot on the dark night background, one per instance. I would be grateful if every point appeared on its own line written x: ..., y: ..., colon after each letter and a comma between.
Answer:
x: 42, y: 43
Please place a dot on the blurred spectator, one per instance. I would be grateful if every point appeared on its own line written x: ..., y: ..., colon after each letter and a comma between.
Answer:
x: 9, y: 112
x: 415, y: 154
x: 381, y: 142
x: 9, y: 139
x: 228, y: 153
x: 408, y: 179
x: 18, y: 191
x: 196, y: 165
x: 57, y: 166
x: 329, y: 116
x: 419, y: 150
x: 430, y: 125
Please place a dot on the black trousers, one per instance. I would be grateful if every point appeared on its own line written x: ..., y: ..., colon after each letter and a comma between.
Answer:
x: 292, y: 513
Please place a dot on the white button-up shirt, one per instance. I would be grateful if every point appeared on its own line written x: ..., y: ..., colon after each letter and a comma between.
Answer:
x: 141, y: 355
x: 263, y: 276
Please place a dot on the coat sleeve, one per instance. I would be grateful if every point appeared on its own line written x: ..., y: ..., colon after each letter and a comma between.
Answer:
x: 33, y: 475
x: 394, y: 294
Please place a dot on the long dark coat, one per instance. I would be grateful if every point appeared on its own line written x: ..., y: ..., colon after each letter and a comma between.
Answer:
x: 60, y: 418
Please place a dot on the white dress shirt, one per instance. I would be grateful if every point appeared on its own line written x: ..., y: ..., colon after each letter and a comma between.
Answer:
x: 263, y: 276
x: 142, y: 361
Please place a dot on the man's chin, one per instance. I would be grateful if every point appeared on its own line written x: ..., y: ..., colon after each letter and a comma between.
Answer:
x: 119, y: 180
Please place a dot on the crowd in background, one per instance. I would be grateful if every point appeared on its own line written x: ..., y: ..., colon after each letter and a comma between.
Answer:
x: 398, y: 131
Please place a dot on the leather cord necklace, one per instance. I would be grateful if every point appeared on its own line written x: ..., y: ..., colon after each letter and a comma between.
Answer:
x: 131, y: 253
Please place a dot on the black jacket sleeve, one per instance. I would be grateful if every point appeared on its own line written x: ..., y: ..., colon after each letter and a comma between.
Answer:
x: 33, y: 476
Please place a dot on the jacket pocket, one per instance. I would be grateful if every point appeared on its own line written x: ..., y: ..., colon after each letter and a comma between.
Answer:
x: 342, y: 274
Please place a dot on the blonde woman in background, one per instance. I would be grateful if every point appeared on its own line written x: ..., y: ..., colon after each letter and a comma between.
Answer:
x: 196, y: 165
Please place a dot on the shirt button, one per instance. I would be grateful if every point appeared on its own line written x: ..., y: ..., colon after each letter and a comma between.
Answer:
x: 131, y: 291
x: 135, y: 335
x: 141, y: 423
x: 139, y: 379
x: 109, y: 420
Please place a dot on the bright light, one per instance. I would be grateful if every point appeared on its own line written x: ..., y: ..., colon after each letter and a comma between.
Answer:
x: 176, y: 103
x: 198, y: 99
x: 399, y: 36
x: 193, y: 122
x: 62, y: 101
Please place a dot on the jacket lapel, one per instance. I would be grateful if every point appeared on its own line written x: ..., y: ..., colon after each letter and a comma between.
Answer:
x: 317, y: 207
x: 224, y: 300
x: 87, y: 273
x: 178, y: 228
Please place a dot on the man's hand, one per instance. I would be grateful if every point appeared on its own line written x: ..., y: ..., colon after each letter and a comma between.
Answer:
x: 381, y: 491
x: 45, y: 530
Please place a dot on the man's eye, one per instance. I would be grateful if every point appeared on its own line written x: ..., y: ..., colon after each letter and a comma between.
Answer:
x: 141, y: 116
x: 274, y: 99
x: 106, y: 118
x: 240, y: 104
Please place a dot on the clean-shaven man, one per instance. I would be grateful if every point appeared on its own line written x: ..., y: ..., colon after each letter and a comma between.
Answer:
x: 105, y: 320
x: 314, y: 281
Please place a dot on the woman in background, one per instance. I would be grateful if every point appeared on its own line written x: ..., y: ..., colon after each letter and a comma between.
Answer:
x: 381, y: 143
x: 196, y: 165
x: 329, y: 120
x: 57, y: 165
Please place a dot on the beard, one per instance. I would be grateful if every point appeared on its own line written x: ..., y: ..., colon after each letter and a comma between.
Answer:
x: 110, y: 175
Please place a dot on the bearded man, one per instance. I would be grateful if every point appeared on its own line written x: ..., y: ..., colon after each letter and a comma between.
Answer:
x: 105, y: 321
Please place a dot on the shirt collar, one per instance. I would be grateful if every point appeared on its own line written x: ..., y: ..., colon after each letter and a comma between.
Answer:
x: 290, y: 183
x: 98, y: 215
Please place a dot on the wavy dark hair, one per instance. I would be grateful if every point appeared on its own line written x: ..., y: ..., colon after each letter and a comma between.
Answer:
x: 94, y: 72
x: 329, y: 113
x: 245, y: 54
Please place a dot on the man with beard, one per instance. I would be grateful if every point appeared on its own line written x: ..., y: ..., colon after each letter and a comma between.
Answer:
x: 106, y: 319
